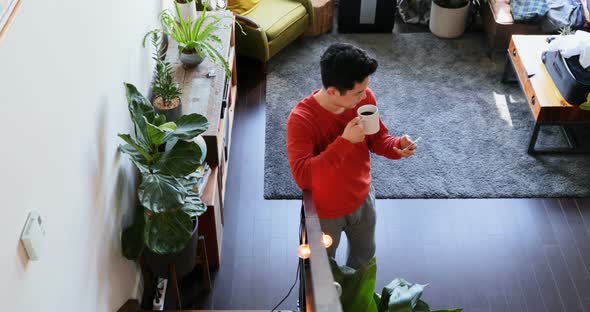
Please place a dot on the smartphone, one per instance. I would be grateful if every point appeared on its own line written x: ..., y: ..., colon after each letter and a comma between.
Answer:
x: 415, y: 143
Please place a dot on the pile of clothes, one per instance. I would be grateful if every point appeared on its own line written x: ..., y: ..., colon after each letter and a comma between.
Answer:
x: 414, y: 11
x: 575, y: 49
x: 552, y: 15
x: 418, y: 11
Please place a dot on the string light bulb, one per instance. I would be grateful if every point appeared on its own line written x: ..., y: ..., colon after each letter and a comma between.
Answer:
x: 326, y: 240
x: 338, y: 289
x: 303, y: 251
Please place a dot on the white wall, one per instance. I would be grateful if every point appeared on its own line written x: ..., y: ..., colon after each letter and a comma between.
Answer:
x: 62, y: 68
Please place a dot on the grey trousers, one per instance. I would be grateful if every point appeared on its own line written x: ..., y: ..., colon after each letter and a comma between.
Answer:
x: 359, y: 227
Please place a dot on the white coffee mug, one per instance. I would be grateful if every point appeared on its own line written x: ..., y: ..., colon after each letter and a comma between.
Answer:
x: 369, y: 115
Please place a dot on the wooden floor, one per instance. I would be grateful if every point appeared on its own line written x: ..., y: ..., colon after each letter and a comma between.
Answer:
x: 482, y: 255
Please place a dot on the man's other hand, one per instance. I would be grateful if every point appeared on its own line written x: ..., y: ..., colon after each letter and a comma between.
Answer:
x: 353, y: 131
x: 408, y: 147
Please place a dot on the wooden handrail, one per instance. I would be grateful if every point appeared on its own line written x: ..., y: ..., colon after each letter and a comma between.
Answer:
x: 319, y: 292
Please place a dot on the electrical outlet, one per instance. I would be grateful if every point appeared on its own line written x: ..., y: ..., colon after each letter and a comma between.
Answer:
x: 158, y: 304
x: 33, y: 235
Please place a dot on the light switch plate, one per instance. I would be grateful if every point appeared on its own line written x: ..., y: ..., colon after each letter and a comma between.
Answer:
x: 33, y: 235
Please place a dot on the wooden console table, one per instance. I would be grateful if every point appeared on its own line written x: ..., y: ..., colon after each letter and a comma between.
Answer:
x: 545, y: 101
x: 214, y: 97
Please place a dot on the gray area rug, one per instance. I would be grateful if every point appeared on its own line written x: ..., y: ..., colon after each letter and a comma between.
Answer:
x: 475, y: 130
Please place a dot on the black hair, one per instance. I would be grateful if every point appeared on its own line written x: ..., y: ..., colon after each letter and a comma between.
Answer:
x: 343, y: 65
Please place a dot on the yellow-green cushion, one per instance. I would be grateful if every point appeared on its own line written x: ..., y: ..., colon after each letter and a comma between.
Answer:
x: 242, y: 7
x: 274, y: 16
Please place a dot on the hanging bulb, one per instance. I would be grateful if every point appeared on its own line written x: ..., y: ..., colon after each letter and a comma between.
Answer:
x: 303, y: 251
x: 338, y: 289
x: 326, y: 240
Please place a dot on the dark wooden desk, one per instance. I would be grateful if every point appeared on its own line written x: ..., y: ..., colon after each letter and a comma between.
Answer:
x: 545, y: 101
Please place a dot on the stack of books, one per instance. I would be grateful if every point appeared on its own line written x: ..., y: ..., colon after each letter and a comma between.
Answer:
x: 199, y: 178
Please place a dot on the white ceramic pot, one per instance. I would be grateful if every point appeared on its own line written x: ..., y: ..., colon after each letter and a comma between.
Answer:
x: 187, y: 10
x: 448, y: 23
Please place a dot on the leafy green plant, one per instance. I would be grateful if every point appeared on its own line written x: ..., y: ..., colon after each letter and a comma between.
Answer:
x: 358, y: 291
x: 194, y: 36
x: 164, y: 86
x: 166, y: 157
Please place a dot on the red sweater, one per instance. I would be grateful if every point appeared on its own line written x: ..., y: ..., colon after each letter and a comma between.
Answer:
x: 337, y: 171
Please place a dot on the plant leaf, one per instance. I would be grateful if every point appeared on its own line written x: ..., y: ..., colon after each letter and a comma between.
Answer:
x: 400, y: 295
x: 181, y: 160
x: 377, y: 299
x: 136, y: 157
x: 158, y: 135
x: 207, y: 32
x: 139, y: 108
x: 168, y: 126
x: 159, y: 193
x: 197, y: 27
x: 358, y: 286
x: 189, y: 126
x: 421, y: 306
x: 193, y: 205
x: 132, y: 240
x: 133, y: 148
x: 169, y: 23
x: 168, y: 232
x: 219, y: 59
x: 159, y: 120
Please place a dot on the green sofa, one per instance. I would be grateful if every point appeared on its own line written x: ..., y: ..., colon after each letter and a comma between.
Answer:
x: 271, y: 26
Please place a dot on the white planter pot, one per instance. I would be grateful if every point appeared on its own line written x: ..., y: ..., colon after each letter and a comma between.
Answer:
x: 448, y: 23
x: 187, y: 10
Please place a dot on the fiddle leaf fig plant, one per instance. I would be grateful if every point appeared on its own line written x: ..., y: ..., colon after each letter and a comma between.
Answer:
x: 165, y: 154
x: 358, y: 291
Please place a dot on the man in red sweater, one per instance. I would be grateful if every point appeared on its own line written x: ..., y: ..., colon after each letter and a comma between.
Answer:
x: 329, y: 152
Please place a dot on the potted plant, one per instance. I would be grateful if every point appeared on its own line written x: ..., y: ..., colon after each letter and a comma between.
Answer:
x: 196, y: 38
x: 357, y: 291
x: 167, y: 157
x: 448, y: 17
x: 166, y: 92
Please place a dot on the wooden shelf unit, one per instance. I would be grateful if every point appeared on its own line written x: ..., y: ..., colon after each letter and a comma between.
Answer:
x: 215, y: 98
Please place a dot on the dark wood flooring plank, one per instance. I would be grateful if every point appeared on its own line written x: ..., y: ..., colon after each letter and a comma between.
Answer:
x: 565, y: 286
x: 569, y: 230
x: 261, y: 258
x: 583, y: 205
x: 475, y: 265
x: 526, y: 251
x: 506, y: 247
x: 579, y: 230
x: 242, y: 292
x: 437, y: 266
x: 497, y: 272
